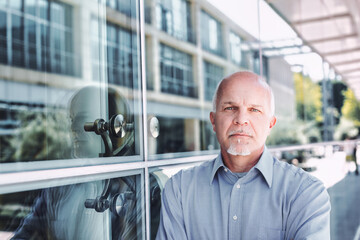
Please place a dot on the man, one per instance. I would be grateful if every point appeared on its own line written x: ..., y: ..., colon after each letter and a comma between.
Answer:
x: 244, y: 193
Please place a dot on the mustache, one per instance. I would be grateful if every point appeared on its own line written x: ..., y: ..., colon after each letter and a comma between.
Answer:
x: 241, y: 131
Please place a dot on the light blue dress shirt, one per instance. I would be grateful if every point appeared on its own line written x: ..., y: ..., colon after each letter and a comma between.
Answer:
x: 274, y: 200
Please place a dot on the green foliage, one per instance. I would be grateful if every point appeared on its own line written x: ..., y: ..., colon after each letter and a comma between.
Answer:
x: 285, y: 133
x: 41, y: 136
x: 351, y: 107
x: 308, y: 99
x: 293, y: 133
x: 345, y: 129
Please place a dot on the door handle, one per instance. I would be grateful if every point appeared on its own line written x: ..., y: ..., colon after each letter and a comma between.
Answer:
x: 116, y: 127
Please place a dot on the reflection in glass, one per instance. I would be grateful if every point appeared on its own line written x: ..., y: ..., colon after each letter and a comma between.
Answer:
x: 33, y: 31
x: 158, y: 177
x: 47, y: 135
x: 3, y: 3
x: 174, y: 17
x: 174, y: 139
x: 60, y: 212
x: 30, y: 7
x: 235, y: 42
x: 122, y: 57
x: 211, y: 34
x: 127, y: 7
x: 3, y: 38
x: 208, y: 137
x: 15, y: 4
x: 17, y: 41
x: 213, y: 75
x: 176, y: 72
x: 86, y: 107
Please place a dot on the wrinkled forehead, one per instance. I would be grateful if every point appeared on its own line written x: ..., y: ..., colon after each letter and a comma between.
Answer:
x: 251, y: 84
x: 251, y: 91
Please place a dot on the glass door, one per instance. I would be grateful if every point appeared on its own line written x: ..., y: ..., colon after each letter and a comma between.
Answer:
x: 71, y: 115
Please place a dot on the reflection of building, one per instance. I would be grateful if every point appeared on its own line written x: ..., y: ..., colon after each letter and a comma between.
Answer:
x: 186, y: 54
x: 50, y: 48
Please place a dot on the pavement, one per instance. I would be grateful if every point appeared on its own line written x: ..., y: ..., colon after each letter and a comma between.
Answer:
x: 343, y: 186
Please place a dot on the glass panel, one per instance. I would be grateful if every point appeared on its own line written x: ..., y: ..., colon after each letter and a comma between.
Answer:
x: 211, y: 34
x: 107, y: 209
x: 84, y: 71
x: 182, y: 78
x: 30, y: 7
x: 3, y: 38
x: 15, y: 4
x: 212, y: 76
x: 174, y: 17
x: 17, y: 40
x: 43, y: 9
x: 30, y: 36
x: 176, y: 72
x: 127, y: 7
x: 3, y: 3
x: 235, y: 48
x: 158, y: 177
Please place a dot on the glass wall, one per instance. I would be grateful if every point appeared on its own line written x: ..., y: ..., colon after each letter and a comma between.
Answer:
x: 102, y: 101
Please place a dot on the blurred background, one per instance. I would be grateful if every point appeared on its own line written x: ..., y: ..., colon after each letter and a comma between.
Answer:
x: 148, y: 69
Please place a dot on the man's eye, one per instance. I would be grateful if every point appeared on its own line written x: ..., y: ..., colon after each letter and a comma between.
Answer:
x: 229, y: 108
x: 254, y: 110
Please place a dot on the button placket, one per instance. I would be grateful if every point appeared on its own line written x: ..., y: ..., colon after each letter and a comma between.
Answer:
x: 235, y: 209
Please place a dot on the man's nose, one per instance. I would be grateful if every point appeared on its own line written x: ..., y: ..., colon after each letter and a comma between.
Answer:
x: 241, y: 118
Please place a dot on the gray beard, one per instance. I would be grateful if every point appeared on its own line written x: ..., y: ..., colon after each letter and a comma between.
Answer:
x: 233, y: 151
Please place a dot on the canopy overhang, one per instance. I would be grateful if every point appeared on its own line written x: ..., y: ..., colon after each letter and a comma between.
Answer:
x: 330, y: 28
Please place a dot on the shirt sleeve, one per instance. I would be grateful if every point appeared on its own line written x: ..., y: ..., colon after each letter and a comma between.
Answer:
x: 171, y: 224
x: 309, y: 217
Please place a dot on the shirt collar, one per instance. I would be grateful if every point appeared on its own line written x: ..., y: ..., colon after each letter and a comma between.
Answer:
x: 264, y: 165
x: 218, y: 163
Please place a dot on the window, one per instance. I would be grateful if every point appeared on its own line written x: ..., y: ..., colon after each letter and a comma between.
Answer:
x: 235, y: 48
x: 86, y: 116
x: 38, y: 40
x: 122, y: 56
x: 127, y: 7
x: 213, y: 74
x: 211, y: 35
x: 176, y: 72
x: 3, y: 37
x: 67, y: 211
x: 174, y: 17
x: 208, y: 137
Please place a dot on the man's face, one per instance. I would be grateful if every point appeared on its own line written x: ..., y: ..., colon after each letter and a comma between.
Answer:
x: 242, y: 120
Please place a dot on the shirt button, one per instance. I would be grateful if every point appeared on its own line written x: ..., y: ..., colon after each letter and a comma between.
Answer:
x: 238, y: 186
x: 225, y: 169
x: 235, y: 217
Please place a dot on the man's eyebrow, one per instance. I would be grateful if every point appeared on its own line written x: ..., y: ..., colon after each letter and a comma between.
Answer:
x: 227, y: 103
x: 256, y: 105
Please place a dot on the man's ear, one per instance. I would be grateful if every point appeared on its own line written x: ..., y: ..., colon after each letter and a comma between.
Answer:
x: 272, y: 122
x: 212, y: 119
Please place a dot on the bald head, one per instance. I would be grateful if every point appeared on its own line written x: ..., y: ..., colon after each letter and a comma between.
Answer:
x: 244, y: 76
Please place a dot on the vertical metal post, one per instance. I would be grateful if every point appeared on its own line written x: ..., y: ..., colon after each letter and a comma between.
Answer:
x: 144, y: 116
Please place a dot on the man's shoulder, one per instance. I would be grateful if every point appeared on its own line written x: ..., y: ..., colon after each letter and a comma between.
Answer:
x: 195, y: 174
x: 199, y: 170
x: 293, y: 176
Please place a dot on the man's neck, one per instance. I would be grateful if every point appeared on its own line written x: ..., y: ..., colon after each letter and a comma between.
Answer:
x: 241, y: 163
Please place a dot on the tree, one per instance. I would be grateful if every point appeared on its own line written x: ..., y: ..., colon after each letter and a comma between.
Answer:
x: 351, y: 107
x: 41, y: 136
x: 308, y: 99
x: 338, y: 95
